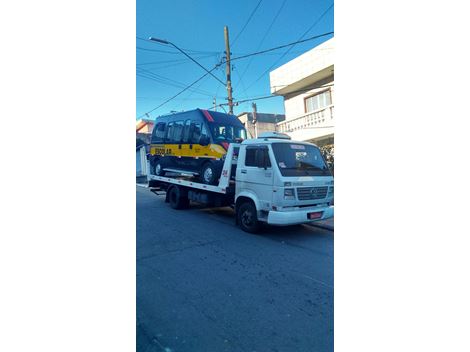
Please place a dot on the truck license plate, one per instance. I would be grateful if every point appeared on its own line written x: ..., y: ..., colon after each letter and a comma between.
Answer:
x: 315, y: 215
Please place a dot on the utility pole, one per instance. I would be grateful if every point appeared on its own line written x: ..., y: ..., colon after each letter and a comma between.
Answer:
x: 227, y: 71
x: 215, y: 104
x: 253, y: 105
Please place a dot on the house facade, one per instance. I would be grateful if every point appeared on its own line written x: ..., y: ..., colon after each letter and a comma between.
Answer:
x: 307, y: 85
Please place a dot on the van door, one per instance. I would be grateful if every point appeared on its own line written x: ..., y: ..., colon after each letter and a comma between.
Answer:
x: 255, y: 174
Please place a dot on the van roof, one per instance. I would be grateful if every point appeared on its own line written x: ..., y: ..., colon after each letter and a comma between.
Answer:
x: 201, y: 114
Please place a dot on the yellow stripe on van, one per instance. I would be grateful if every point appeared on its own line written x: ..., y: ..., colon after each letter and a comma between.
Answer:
x: 208, y: 151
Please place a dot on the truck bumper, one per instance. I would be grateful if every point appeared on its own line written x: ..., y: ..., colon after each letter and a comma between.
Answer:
x: 299, y: 216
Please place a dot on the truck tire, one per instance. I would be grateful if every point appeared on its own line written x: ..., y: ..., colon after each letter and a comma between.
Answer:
x: 209, y: 173
x: 247, y: 217
x: 177, y: 199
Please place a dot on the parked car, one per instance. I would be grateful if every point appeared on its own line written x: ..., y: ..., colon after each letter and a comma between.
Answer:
x: 193, y: 142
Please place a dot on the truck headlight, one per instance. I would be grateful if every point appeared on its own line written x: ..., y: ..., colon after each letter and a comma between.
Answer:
x: 289, y: 193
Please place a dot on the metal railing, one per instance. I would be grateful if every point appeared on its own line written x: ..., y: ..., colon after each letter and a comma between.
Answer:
x: 319, y: 118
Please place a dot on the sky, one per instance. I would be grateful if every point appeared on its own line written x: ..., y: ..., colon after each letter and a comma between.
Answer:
x: 197, y: 27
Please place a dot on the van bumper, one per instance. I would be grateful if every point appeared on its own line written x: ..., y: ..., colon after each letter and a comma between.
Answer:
x: 299, y: 216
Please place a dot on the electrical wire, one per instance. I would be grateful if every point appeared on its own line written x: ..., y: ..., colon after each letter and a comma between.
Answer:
x: 177, y: 52
x: 236, y: 103
x: 261, y: 43
x: 247, y: 21
x: 238, y: 58
x: 298, y: 41
x: 179, y: 93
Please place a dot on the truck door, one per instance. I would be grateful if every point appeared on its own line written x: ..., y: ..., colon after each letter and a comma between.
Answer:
x: 256, y: 174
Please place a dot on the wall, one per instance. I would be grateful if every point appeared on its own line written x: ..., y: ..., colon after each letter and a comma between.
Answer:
x: 294, y: 103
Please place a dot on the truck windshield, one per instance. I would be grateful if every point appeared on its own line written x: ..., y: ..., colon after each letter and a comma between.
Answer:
x: 230, y: 133
x: 299, y: 160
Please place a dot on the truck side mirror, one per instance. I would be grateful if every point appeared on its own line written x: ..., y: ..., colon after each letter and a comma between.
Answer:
x: 204, y: 140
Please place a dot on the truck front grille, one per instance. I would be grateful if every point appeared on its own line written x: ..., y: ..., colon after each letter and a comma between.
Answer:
x: 308, y: 193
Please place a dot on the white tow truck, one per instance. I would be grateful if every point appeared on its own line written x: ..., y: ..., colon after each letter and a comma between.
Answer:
x: 270, y: 179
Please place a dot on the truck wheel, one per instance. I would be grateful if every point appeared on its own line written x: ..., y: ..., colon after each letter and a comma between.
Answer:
x: 247, y: 218
x: 176, y: 199
x: 208, y: 174
x: 158, y: 168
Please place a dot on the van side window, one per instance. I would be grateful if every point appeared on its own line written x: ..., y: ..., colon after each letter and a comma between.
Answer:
x: 169, y: 132
x: 204, y: 131
x: 186, y: 132
x: 178, y: 132
x: 195, y: 132
x: 255, y: 157
x: 159, y: 133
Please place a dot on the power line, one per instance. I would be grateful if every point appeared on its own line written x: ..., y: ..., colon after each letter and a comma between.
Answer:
x: 181, y: 92
x: 175, y: 60
x: 298, y: 41
x: 276, y: 96
x: 169, y: 81
x: 188, y: 56
x: 281, y: 46
x: 247, y: 21
x: 238, y: 58
x: 261, y: 42
x: 176, y: 52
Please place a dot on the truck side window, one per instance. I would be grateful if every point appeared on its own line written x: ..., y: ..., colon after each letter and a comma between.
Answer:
x: 255, y: 157
x: 250, y: 157
x: 262, y: 155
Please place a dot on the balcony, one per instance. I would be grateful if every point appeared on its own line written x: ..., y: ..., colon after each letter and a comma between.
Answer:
x: 321, y: 118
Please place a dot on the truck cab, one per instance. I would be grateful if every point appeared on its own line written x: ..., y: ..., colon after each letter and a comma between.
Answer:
x: 281, y: 182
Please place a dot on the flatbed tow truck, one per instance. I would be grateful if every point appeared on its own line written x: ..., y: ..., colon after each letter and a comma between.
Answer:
x: 265, y: 186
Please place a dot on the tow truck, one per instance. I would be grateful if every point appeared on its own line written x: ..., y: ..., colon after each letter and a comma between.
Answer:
x: 270, y: 179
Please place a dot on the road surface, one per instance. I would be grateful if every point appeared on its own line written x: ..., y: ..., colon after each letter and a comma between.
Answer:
x: 205, y: 285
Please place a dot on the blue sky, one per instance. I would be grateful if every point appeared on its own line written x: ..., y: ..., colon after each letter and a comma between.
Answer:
x: 198, y: 28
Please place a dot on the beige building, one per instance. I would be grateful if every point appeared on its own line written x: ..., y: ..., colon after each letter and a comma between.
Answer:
x: 143, y: 129
x: 307, y: 85
x: 264, y: 122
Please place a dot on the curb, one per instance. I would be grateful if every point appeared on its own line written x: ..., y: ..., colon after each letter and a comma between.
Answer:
x: 143, y: 185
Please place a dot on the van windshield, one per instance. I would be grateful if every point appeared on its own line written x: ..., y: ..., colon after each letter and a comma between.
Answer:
x: 299, y: 160
x: 221, y: 132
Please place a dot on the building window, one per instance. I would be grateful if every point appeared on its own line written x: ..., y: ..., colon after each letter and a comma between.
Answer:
x: 318, y: 101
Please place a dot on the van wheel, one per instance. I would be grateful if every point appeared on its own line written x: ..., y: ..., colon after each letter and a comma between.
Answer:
x: 158, y: 168
x: 247, y: 218
x: 176, y: 199
x: 208, y: 174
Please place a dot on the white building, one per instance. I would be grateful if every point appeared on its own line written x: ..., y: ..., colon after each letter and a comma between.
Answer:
x: 307, y: 85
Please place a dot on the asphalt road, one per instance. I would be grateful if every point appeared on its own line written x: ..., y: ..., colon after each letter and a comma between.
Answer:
x: 205, y: 285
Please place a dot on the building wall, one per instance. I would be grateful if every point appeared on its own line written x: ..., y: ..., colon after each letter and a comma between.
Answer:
x: 294, y: 104
x: 307, y: 75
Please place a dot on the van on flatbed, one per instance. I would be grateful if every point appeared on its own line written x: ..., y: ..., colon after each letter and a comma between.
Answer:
x: 270, y: 179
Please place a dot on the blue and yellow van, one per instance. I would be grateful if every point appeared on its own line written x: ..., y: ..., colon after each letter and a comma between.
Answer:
x: 193, y: 141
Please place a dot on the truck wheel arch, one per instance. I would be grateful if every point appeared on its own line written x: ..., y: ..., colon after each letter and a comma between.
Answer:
x: 243, y: 199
